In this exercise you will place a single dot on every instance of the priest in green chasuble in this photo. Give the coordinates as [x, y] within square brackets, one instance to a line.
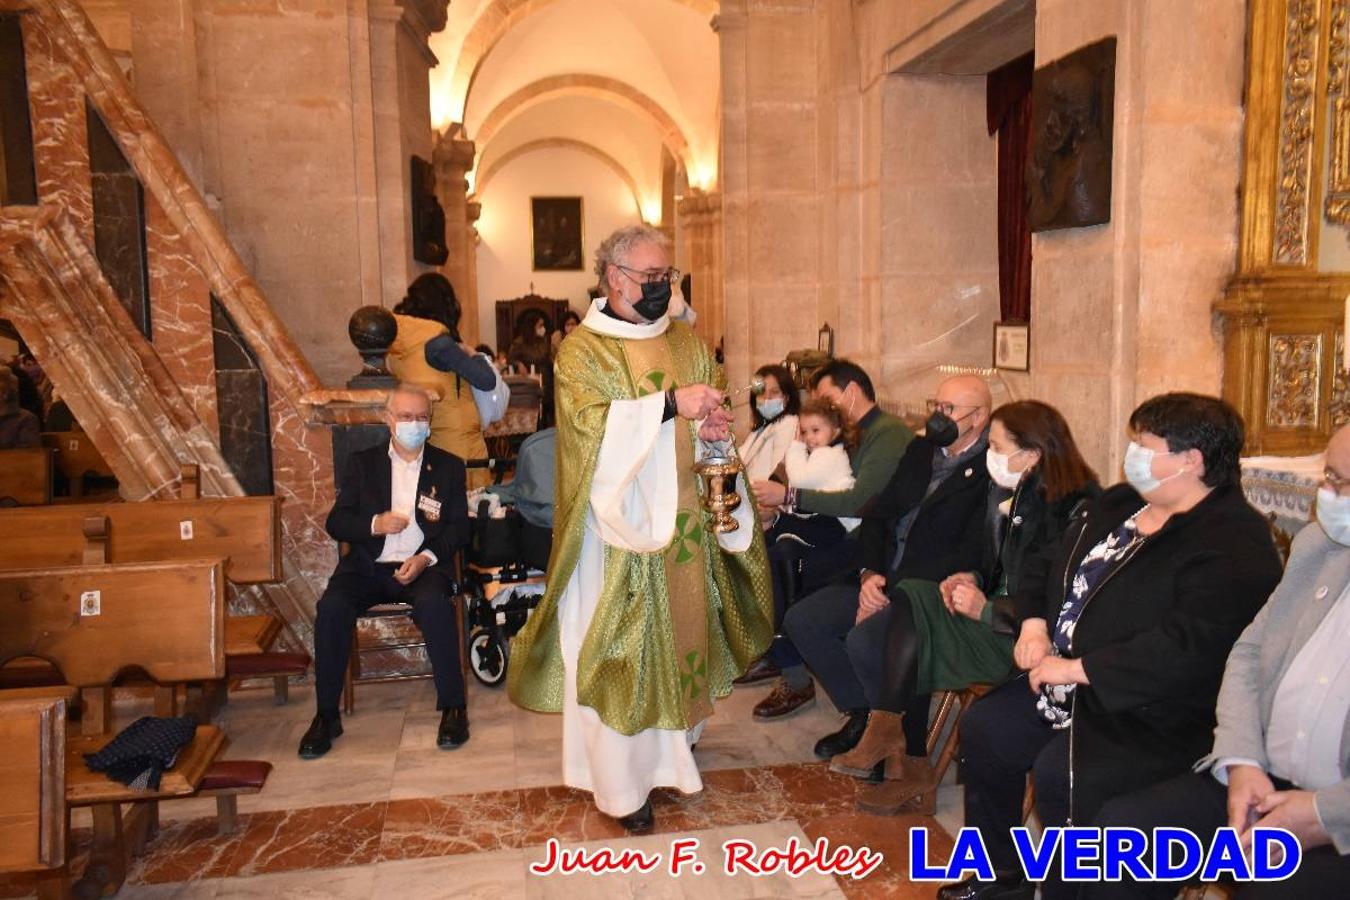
[649, 615]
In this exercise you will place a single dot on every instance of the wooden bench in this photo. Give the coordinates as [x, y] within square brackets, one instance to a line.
[26, 476]
[245, 531]
[92, 622]
[76, 457]
[33, 782]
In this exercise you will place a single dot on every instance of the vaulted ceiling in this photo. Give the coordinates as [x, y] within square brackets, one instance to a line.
[618, 79]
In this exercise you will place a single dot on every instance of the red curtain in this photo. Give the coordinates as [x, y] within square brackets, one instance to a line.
[1008, 110]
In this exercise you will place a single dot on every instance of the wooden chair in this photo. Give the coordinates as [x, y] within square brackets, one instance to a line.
[33, 783]
[961, 700]
[391, 611]
[26, 476]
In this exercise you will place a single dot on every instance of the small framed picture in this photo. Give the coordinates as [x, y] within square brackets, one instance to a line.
[1012, 346]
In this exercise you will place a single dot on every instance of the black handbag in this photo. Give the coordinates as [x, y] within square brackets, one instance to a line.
[142, 751]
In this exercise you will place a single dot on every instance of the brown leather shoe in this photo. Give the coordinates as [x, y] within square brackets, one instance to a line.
[885, 735]
[909, 788]
[783, 701]
[760, 670]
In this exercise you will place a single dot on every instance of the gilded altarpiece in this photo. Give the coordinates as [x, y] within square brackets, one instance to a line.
[1285, 310]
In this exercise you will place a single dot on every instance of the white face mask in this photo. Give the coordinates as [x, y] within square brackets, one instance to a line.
[1139, 468]
[1333, 514]
[412, 435]
[771, 409]
[998, 469]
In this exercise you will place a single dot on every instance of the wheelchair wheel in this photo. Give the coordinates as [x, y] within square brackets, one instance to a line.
[488, 655]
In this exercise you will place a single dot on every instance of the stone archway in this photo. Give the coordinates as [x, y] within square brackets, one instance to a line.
[580, 84]
[481, 183]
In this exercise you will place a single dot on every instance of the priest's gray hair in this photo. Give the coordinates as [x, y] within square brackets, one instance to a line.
[616, 248]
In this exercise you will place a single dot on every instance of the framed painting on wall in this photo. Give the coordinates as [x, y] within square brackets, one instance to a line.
[555, 234]
[1012, 346]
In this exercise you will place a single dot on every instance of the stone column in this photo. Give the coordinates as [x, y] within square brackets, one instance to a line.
[453, 158]
[400, 60]
[700, 226]
[472, 210]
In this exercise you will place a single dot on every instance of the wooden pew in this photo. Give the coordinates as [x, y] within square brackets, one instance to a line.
[76, 457]
[33, 781]
[246, 531]
[94, 621]
[26, 476]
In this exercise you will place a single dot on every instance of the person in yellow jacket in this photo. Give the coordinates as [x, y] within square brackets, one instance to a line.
[428, 353]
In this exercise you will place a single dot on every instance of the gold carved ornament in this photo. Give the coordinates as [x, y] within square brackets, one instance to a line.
[1338, 97]
[1294, 380]
[1297, 118]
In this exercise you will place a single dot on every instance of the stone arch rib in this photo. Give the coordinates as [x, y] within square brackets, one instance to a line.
[553, 143]
[582, 84]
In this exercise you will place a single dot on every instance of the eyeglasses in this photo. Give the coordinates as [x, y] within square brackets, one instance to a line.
[944, 407]
[1336, 482]
[650, 276]
[412, 417]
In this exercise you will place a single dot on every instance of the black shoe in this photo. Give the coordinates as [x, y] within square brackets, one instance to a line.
[454, 730]
[846, 738]
[318, 740]
[639, 822]
[1005, 886]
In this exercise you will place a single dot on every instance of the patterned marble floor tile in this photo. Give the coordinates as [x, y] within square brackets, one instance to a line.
[322, 837]
[888, 835]
[347, 883]
[499, 875]
[443, 826]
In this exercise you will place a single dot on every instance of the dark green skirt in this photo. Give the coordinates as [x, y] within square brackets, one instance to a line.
[954, 650]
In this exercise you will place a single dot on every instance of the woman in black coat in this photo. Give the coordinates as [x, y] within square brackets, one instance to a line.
[1125, 657]
[948, 635]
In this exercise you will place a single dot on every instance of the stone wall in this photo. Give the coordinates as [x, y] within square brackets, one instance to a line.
[860, 188]
[296, 120]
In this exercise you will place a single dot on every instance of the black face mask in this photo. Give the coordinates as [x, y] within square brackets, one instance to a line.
[941, 429]
[655, 300]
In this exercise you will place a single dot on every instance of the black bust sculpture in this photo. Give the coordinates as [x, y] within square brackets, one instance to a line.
[372, 330]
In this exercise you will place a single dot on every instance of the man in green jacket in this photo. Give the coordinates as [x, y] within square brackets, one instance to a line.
[797, 570]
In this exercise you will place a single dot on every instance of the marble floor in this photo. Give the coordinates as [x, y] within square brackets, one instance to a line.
[387, 814]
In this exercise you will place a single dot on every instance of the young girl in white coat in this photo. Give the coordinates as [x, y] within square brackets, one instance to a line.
[817, 461]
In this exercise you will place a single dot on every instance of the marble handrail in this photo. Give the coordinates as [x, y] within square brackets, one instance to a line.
[163, 176]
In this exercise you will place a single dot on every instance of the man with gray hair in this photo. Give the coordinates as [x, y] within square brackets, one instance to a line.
[649, 614]
[402, 511]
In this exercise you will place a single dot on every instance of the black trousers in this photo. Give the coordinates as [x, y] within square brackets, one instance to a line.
[795, 571]
[1199, 803]
[349, 594]
[1003, 738]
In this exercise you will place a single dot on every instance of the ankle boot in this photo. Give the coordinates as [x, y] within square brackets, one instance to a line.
[883, 738]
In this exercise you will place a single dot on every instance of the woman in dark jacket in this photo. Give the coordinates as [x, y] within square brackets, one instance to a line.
[1127, 650]
[947, 636]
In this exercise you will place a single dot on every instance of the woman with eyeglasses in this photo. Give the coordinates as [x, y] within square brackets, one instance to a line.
[1125, 649]
[946, 636]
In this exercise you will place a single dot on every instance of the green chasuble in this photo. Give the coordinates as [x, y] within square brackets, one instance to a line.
[672, 628]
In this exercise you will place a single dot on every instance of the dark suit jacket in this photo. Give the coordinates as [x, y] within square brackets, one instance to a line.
[947, 535]
[365, 491]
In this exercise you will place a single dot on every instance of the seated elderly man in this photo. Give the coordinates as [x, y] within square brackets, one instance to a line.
[927, 523]
[402, 511]
[1282, 743]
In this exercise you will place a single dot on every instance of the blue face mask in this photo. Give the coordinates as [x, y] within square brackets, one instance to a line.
[1333, 514]
[412, 435]
[1139, 468]
[771, 409]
